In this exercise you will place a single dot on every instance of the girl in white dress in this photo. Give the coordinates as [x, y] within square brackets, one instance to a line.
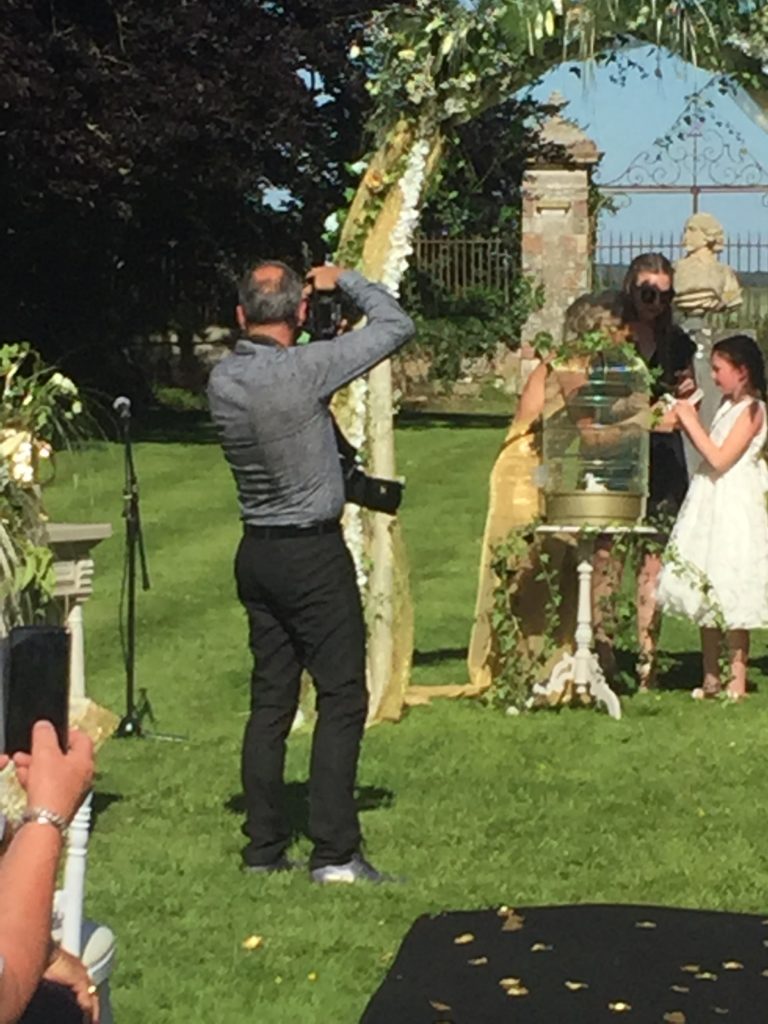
[716, 563]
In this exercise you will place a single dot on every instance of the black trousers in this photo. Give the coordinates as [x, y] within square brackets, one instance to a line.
[304, 612]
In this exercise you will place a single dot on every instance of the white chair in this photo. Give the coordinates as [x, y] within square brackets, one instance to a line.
[93, 943]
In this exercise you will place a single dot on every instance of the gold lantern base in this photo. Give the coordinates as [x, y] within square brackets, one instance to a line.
[586, 508]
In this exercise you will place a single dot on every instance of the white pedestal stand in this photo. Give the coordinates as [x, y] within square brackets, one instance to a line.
[72, 544]
[582, 667]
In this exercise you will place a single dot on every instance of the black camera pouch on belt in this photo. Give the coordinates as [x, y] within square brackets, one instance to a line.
[372, 492]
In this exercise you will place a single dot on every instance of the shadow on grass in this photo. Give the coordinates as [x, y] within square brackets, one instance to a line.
[683, 670]
[100, 803]
[368, 798]
[440, 654]
[170, 426]
[416, 419]
[194, 426]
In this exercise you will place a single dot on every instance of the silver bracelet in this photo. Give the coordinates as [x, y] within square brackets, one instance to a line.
[42, 816]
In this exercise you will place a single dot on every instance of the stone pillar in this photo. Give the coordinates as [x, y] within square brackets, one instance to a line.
[556, 238]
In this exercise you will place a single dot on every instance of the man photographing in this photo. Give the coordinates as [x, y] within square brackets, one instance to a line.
[295, 577]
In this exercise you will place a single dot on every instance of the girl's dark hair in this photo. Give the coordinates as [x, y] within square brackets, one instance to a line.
[742, 351]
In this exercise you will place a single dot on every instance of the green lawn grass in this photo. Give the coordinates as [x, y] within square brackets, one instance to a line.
[471, 807]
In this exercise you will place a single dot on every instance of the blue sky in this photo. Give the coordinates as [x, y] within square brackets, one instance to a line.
[626, 119]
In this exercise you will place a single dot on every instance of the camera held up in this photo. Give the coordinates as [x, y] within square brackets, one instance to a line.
[325, 314]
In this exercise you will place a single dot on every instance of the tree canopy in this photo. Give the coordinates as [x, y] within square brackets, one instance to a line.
[141, 144]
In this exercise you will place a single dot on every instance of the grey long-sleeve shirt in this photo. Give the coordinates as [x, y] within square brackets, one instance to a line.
[270, 406]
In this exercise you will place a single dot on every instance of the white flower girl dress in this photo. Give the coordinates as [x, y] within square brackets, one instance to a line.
[715, 569]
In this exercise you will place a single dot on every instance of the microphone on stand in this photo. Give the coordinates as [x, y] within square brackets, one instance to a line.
[122, 407]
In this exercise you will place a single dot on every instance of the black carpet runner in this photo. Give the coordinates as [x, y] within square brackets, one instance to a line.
[578, 965]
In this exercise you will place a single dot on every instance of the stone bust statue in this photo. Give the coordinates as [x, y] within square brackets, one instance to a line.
[702, 283]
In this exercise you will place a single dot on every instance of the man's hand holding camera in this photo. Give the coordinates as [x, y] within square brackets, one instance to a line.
[324, 279]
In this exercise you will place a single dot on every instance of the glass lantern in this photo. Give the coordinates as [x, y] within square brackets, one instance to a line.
[595, 448]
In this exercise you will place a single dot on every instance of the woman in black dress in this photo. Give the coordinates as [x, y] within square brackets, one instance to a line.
[666, 348]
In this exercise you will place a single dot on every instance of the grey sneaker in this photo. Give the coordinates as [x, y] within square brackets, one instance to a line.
[355, 870]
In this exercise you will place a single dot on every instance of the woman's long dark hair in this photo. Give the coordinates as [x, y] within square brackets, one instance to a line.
[742, 351]
[652, 263]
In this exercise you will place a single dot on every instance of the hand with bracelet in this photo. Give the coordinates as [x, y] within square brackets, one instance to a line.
[55, 783]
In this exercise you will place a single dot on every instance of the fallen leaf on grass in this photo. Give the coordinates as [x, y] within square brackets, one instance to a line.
[252, 942]
[312, 976]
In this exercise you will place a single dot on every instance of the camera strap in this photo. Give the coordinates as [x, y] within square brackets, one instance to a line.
[346, 449]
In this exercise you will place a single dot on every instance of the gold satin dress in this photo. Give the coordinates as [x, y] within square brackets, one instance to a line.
[514, 502]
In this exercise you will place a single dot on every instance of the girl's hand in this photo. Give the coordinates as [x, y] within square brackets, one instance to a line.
[685, 413]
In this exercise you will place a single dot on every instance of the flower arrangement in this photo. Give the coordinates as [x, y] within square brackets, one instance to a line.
[38, 407]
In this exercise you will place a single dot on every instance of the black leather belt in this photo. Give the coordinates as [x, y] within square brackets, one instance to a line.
[267, 532]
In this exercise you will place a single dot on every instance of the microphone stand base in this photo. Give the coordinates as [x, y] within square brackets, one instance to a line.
[130, 725]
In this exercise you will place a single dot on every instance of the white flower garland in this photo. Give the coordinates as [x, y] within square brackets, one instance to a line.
[354, 534]
[401, 247]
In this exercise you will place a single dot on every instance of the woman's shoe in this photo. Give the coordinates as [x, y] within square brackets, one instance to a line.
[708, 691]
[645, 670]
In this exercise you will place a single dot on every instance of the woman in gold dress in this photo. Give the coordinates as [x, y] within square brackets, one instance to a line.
[514, 502]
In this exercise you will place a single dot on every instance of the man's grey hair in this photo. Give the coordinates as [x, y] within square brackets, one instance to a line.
[271, 301]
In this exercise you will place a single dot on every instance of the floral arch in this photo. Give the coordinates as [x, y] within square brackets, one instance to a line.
[437, 64]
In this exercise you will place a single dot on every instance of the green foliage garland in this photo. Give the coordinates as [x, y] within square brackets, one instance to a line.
[516, 668]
